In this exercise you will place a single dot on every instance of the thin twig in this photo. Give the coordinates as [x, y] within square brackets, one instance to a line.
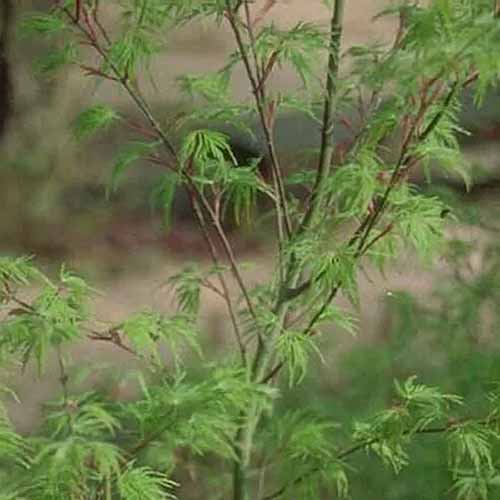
[95, 16]
[379, 236]
[264, 11]
[113, 337]
[213, 288]
[225, 294]
[146, 111]
[147, 440]
[251, 37]
[257, 89]
[63, 376]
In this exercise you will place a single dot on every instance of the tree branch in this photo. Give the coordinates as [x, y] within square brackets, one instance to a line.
[347, 452]
[225, 290]
[146, 111]
[258, 91]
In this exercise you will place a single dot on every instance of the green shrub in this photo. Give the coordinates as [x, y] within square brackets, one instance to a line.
[222, 425]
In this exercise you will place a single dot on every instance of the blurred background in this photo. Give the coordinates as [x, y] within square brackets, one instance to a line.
[55, 186]
[439, 320]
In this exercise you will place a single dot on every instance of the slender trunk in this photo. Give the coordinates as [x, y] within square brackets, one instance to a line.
[327, 142]
[239, 481]
[262, 360]
[240, 486]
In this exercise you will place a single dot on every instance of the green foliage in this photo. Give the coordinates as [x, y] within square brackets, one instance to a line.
[242, 186]
[472, 443]
[13, 447]
[93, 119]
[207, 149]
[75, 457]
[304, 444]
[214, 87]
[134, 48]
[163, 196]
[187, 287]
[334, 267]
[42, 24]
[146, 330]
[53, 318]
[294, 348]
[18, 271]
[355, 185]
[142, 482]
[298, 46]
[451, 344]
[183, 11]
[213, 90]
[425, 230]
[126, 160]
[57, 59]
[224, 420]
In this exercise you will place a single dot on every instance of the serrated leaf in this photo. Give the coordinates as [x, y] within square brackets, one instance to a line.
[56, 59]
[93, 119]
[126, 159]
[42, 24]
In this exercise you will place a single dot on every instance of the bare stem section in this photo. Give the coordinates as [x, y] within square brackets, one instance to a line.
[327, 129]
